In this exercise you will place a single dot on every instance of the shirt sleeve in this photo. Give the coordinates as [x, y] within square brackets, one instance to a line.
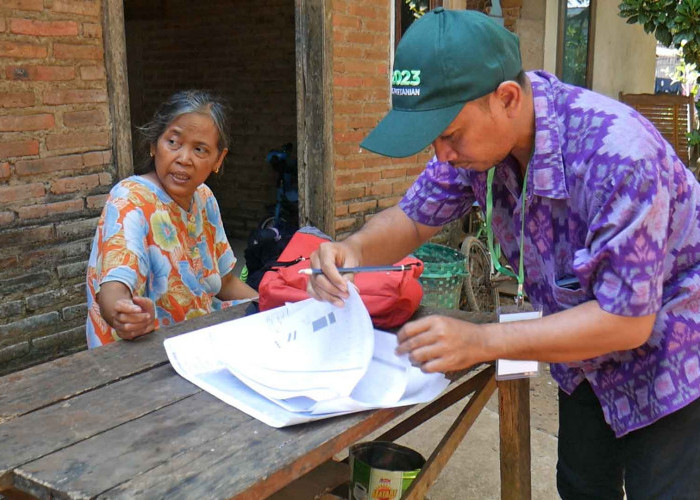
[122, 253]
[626, 242]
[440, 194]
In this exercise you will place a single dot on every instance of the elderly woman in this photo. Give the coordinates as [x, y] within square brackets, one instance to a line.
[160, 253]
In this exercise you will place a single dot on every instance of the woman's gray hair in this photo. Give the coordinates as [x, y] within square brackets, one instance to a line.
[180, 103]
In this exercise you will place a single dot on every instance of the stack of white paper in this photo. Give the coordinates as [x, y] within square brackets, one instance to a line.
[302, 362]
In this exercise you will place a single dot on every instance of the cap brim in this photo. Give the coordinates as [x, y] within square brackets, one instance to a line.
[405, 133]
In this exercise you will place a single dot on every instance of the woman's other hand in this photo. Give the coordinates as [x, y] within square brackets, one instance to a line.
[130, 316]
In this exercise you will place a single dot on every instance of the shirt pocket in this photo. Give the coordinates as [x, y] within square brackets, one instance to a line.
[566, 298]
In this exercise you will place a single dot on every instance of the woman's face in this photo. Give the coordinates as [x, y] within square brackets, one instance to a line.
[185, 154]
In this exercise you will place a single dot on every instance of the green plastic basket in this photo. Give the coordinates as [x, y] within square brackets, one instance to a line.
[443, 275]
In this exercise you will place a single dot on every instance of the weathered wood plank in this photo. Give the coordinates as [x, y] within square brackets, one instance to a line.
[314, 84]
[197, 447]
[514, 424]
[42, 385]
[448, 444]
[89, 414]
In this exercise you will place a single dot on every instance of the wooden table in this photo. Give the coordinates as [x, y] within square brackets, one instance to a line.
[119, 422]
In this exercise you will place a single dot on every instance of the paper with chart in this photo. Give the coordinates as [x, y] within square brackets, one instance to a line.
[302, 362]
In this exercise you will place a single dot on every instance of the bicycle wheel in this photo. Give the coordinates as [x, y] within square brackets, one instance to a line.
[480, 293]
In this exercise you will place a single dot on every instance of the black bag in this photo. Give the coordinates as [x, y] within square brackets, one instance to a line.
[265, 244]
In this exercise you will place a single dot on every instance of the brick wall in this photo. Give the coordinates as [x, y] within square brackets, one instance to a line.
[245, 53]
[55, 171]
[365, 182]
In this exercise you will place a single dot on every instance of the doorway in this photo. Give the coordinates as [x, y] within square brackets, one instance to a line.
[242, 52]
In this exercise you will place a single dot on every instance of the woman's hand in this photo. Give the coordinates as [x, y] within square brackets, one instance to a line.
[442, 344]
[131, 317]
[134, 317]
[331, 286]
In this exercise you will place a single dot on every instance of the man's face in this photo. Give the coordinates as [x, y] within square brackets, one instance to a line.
[478, 138]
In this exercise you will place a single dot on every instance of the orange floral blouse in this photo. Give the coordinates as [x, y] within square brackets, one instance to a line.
[145, 240]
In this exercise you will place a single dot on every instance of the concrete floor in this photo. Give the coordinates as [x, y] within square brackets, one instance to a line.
[473, 471]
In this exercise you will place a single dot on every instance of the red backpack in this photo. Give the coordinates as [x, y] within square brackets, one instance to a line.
[390, 297]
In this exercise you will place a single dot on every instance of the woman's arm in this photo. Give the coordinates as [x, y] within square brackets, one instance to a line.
[130, 316]
[233, 288]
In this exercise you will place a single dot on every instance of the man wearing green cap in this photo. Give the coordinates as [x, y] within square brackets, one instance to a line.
[602, 220]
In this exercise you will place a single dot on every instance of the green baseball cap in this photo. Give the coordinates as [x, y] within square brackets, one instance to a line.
[445, 59]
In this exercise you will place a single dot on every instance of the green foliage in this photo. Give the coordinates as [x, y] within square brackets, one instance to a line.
[673, 22]
[418, 7]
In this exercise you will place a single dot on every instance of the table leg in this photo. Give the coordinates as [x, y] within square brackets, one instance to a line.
[514, 422]
[444, 450]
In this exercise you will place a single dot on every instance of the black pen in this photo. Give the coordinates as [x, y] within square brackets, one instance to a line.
[363, 269]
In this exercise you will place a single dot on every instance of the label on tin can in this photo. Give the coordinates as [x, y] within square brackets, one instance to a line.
[385, 485]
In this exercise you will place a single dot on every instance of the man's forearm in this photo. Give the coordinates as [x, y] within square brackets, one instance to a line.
[583, 332]
[388, 237]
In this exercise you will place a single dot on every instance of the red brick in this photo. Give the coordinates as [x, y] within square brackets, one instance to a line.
[26, 122]
[393, 173]
[43, 28]
[19, 148]
[362, 206]
[22, 50]
[6, 218]
[379, 190]
[41, 73]
[341, 210]
[77, 140]
[72, 184]
[72, 51]
[22, 4]
[388, 202]
[92, 30]
[44, 210]
[96, 202]
[89, 73]
[94, 158]
[5, 170]
[52, 164]
[16, 99]
[81, 7]
[341, 224]
[105, 179]
[2, 25]
[19, 192]
[349, 193]
[74, 96]
[87, 118]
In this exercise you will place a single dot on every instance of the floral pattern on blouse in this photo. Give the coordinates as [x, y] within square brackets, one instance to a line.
[147, 241]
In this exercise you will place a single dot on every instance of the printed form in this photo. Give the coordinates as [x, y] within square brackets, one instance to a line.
[304, 361]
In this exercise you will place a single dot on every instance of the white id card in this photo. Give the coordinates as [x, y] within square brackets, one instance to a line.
[509, 369]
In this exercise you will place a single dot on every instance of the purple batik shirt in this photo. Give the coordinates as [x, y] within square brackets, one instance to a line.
[608, 202]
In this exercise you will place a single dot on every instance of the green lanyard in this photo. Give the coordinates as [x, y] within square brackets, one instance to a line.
[496, 253]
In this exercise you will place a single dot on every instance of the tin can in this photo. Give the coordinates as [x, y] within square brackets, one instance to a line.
[382, 470]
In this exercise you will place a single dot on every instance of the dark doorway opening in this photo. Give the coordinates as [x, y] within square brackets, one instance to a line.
[244, 53]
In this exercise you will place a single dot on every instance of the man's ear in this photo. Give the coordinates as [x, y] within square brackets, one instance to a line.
[510, 96]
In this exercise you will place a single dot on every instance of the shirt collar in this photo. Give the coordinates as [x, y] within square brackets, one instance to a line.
[546, 164]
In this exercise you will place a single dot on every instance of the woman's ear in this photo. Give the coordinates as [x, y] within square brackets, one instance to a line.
[220, 160]
[152, 150]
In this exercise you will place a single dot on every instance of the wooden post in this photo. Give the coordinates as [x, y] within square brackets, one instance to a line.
[514, 424]
[117, 85]
[315, 114]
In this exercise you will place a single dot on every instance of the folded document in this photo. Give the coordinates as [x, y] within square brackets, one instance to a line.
[305, 361]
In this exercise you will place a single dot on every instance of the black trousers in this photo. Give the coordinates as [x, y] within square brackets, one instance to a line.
[660, 461]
